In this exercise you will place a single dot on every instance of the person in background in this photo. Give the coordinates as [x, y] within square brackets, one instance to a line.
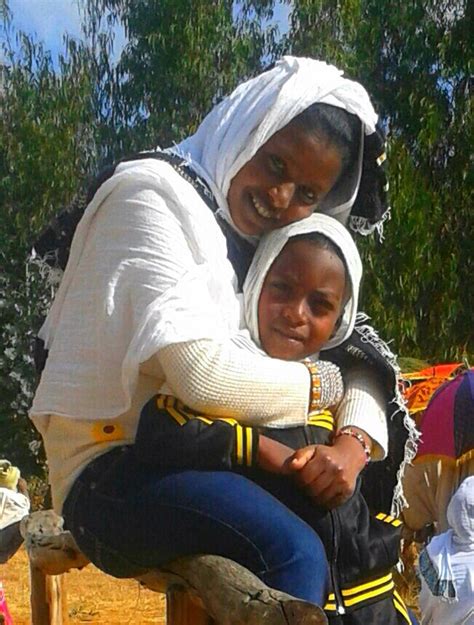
[446, 565]
[14, 505]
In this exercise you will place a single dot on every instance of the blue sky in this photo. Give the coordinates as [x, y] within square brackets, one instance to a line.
[50, 20]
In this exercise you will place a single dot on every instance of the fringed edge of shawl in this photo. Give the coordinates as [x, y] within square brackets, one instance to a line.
[369, 335]
[363, 226]
[48, 268]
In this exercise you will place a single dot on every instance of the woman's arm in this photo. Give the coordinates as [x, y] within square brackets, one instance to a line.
[222, 380]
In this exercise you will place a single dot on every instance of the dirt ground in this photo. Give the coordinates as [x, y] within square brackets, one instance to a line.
[92, 596]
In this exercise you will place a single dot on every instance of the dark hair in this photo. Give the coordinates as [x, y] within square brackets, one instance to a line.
[337, 126]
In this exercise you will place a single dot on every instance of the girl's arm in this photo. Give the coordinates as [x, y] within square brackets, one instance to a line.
[363, 407]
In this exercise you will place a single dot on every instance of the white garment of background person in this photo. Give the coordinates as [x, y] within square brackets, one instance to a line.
[447, 565]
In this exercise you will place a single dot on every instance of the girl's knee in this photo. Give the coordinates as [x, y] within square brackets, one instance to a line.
[300, 546]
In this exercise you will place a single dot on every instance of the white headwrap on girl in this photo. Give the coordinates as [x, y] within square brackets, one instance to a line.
[233, 131]
[270, 247]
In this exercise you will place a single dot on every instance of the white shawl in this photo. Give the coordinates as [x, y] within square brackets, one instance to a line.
[270, 247]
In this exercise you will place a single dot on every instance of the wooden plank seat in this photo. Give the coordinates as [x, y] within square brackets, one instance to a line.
[200, 590]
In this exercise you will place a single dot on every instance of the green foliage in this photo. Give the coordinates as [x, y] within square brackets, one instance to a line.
[182, 56]
[415, 59]
[46, 149]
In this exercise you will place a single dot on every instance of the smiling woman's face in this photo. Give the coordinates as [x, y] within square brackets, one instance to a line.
[284, 181]
[301, 301]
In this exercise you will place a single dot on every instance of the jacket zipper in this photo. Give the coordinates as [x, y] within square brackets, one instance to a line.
[340, 609]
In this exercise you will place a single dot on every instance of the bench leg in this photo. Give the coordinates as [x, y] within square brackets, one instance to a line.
[48, 598]
[181, 610]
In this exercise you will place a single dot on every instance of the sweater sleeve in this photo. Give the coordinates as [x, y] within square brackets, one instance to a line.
[222, 380]
[363, 406]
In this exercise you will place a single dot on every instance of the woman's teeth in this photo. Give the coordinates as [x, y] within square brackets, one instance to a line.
[261, 210]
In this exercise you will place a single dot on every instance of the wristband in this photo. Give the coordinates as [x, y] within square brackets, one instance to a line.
[360, 438]
[315, 397]
[327, 387]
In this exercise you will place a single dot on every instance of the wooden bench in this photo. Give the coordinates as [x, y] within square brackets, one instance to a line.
[200, 590]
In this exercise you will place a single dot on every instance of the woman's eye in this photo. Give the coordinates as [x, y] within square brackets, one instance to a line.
[280, 287]
[308, 195]
[276, 164]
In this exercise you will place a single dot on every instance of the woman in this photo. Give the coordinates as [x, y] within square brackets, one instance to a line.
[149, 296]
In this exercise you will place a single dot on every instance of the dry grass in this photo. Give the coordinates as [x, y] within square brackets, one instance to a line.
[407, 583]
[93, 597]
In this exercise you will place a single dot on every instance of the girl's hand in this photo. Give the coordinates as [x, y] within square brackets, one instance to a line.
[273, 456]
[329, 474]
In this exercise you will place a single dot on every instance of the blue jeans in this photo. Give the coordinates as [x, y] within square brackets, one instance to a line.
[128, 517]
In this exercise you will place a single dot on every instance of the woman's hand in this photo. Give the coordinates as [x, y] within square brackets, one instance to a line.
[329, 474]
[273, 456]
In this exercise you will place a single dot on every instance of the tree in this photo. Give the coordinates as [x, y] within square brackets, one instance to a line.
[182, 56]
[47, 147]
[415, 59]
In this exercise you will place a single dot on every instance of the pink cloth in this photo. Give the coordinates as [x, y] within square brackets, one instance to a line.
[4, 611]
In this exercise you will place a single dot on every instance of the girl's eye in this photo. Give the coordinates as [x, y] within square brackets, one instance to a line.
[276, 164]
[320, 307]
[308, 195]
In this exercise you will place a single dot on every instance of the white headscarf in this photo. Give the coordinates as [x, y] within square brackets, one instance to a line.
[442, 550]
[233, 131]
[13, 507]
[270, 247]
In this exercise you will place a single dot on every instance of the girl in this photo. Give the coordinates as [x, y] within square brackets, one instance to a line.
[300, 297]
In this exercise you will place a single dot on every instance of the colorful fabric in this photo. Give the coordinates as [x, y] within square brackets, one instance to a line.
[421, 385]
[447, 425]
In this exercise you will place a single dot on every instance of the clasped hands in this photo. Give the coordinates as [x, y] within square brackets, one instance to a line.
[328, 474]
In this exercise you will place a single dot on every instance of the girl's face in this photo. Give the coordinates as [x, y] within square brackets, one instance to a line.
[301, 301]
[284, 181]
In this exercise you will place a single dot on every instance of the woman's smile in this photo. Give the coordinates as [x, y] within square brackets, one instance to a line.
[261, 210]
[283, 181]
[290, 333]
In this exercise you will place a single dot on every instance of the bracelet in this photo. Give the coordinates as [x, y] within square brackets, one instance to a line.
[327, 387]
[360, 438]
[315, 397]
